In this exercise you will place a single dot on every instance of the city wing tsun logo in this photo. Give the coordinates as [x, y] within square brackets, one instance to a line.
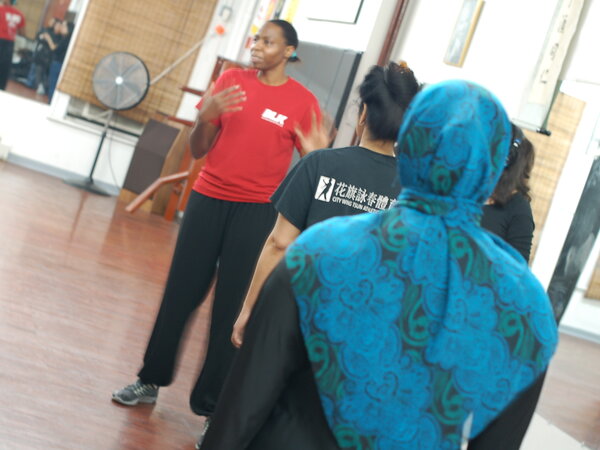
[325, 189]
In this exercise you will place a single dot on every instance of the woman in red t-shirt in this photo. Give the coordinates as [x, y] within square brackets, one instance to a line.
[12, 22]
[247, 126]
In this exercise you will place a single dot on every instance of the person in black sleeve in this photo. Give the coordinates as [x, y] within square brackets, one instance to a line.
[507, 212]
[343, 181]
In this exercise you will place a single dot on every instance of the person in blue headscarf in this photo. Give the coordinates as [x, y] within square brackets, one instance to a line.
[412, 328]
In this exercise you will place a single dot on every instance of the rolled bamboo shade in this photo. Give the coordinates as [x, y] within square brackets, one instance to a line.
[157, 31]
[593, 290]
[550, 156]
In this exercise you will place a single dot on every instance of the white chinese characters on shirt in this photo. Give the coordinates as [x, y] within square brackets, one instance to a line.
[331, 190]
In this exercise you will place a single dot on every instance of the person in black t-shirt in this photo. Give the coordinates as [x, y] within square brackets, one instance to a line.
[343, 181]
[507, 212]
[59, 50]
[42, 56]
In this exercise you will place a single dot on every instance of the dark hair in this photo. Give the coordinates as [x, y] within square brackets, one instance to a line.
[517, 170]
[387, 93]
[290, 35]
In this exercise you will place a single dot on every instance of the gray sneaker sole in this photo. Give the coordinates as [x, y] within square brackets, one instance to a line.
[203, 434]
[147, 400]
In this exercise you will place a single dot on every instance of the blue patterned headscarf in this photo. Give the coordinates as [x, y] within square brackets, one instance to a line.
[421, 327]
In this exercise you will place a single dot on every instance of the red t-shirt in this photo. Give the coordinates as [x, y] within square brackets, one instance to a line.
[254, 147]
[11, 19]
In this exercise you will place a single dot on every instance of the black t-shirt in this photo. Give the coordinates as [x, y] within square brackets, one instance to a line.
[513, 222]
[337, 182]
[61, 49]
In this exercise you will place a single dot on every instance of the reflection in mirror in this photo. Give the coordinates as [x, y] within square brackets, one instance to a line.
[34, 39]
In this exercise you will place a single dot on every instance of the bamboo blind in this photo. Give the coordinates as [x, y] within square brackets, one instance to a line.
[593, 290]
[156, 31]
[550, 155]
[32, 10]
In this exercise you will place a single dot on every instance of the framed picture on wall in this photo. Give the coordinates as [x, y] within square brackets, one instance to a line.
[341, 11]
[463, 32]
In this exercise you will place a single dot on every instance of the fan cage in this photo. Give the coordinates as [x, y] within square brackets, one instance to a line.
[117, 71]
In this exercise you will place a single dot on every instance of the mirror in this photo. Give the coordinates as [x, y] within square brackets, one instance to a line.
[41, 32]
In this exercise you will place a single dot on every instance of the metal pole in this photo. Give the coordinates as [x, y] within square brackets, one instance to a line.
[102, 137]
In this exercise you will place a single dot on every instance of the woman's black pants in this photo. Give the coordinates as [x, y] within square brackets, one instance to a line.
[6, 54]
[215, 236]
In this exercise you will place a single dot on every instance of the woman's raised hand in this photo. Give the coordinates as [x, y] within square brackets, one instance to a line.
[226, 101]
[320, 134]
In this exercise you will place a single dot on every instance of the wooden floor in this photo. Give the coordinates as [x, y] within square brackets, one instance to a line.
[571, 395]
[21, 90]
[80, 281]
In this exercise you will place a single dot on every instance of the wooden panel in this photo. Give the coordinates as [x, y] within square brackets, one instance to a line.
[172, 163]
[550, 156]
[127, 197]
[156, 31]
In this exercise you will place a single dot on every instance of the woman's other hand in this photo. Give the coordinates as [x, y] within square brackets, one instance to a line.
[237, 337]
[319, 136]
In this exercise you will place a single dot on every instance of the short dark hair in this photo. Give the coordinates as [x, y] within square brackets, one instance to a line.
[519, 163]
[290, 35]
[387, 92]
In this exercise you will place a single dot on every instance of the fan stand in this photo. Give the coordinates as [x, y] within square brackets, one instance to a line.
[119, 69]
[87, 183]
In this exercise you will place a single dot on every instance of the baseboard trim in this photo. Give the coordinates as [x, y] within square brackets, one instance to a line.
[578, 333]
[57, 172]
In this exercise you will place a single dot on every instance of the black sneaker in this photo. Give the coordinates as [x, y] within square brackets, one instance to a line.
[135, 393]
[203, 433]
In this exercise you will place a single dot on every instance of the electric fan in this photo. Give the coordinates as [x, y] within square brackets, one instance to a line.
[120, 81]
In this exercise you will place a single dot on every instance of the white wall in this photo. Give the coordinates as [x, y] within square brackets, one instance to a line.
[380, 23]
[227, 45]
[581, 64]
[27, 128]
[503, 51]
